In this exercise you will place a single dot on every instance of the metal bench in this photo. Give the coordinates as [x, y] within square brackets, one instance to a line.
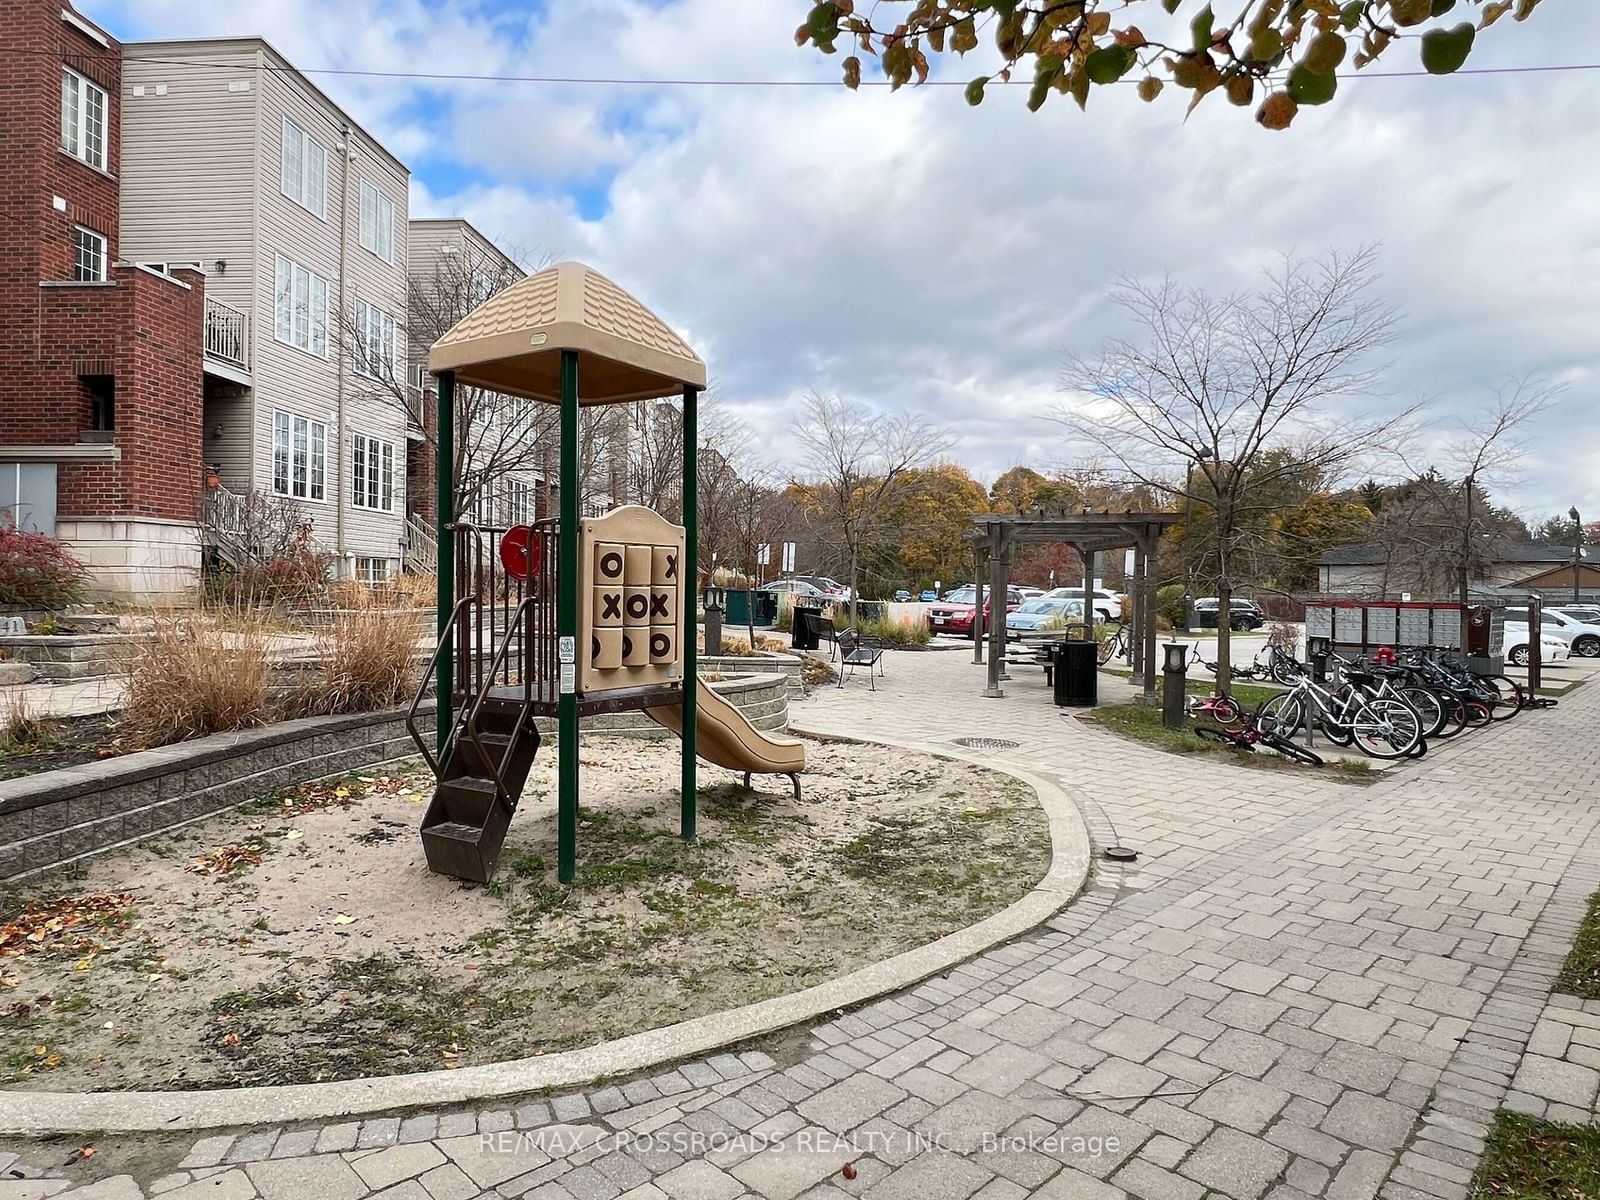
[860, 650]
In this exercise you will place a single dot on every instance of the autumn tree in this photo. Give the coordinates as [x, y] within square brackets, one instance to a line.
[852, 465]
[932, 517]
[1273, 55]
[1198, 403]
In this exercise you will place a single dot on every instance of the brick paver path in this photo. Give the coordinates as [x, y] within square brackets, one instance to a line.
[1303, 989]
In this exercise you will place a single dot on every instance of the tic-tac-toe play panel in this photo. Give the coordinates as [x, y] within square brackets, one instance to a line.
[630, 598]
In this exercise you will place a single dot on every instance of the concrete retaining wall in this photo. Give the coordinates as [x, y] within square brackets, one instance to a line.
[58, 817]
[787, 665]
[65, 657]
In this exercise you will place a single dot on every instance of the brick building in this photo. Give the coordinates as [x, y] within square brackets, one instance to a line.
[100, 360]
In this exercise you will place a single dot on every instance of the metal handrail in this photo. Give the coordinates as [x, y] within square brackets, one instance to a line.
[502, 792]
[435, 765]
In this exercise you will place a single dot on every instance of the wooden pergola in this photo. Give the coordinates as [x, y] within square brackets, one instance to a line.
[1089, 533]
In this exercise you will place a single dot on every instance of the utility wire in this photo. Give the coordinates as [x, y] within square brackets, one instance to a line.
[626, 81]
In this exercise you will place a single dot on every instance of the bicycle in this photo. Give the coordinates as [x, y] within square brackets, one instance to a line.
[1117, 644]
[1380, 728]
[1255, 733]
[1224, 710]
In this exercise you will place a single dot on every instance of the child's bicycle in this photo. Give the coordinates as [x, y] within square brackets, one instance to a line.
[1224, 710]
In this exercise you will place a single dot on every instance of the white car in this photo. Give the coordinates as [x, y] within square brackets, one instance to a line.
[1107, 605]
[1030, 593]
[1581, 637]
[1515, 646]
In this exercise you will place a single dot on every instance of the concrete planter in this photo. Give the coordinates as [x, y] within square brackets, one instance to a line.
[787, 665]
[65, 657]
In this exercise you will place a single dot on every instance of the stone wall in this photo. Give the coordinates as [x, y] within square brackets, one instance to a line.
[57, 817]
[787, 665]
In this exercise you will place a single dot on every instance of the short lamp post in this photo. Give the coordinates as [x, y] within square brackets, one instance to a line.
[1577, 554]
[1174, 684]
[715, 600]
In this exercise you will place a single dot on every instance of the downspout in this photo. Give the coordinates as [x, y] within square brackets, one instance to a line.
[338, 420]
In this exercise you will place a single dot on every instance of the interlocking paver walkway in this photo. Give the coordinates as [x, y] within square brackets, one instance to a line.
[1303, 988]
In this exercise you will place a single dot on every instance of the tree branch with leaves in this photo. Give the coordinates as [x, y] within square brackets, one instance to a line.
[1284, 53]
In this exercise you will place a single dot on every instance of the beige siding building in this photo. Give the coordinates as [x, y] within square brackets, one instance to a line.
[234, 160]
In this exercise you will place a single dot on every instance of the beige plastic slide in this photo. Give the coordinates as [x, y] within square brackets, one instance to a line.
[724, 737]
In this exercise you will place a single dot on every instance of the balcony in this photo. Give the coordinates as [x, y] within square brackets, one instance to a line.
[227, 341]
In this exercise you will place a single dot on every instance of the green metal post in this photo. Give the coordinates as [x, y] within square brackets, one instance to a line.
[445, 469]
[567, 625]
[689, 570]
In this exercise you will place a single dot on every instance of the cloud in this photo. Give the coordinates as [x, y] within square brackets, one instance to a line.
[909, 251]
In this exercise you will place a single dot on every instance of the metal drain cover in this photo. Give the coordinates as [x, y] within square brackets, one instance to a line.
[983, 743]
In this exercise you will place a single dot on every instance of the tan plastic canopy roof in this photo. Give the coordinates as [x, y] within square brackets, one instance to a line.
[512, 342]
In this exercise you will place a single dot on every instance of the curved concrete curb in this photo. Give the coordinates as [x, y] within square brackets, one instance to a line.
[36, 1113]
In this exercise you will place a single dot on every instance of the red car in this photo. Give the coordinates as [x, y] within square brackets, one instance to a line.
[953, 614]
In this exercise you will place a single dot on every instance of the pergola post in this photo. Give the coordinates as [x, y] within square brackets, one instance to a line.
[979, 561]
[998, 564]
[1136, 627]
[567, 627]
[689, 577]
[1148, 587]
[1086, 557]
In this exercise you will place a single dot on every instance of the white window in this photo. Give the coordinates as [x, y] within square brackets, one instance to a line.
[301, 308]
[520, 509]
[377, 342]
[89, 255]
[372, 571]
[372, 473]
[377, 222]
[83, 118]
[299, 457]
[304, 173]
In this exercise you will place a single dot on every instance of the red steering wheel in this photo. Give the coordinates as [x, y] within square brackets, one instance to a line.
[519, 552]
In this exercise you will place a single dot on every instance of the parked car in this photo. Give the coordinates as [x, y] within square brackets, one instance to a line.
[1589, 614]
[901, 596]
[1243, 615]
[928, 596]
[831, 587]
[1107, 604]
[1031, 593]
[798, 588]
[954, 613]
[1582, 637]
[1514, 645]
[1044, 612]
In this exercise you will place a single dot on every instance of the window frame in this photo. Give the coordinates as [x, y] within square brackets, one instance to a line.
[372, 473]
[78, 234]
[77, 144]
[310, 154]
[312, 446]
[377, 222]
[315, 304]
[369, 318]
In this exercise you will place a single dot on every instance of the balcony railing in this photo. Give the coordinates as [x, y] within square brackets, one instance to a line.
[227, 334]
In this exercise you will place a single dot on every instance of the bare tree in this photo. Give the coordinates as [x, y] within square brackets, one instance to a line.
[1443, 529]
[852, 465]
[1214, 383]
[498, 438]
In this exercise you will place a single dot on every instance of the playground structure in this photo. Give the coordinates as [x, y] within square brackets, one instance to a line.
[516, 605]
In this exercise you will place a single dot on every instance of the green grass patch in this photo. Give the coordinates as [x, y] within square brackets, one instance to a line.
[1580, 974]
[1143, 724]
[1249, 695]
[1530, 1159]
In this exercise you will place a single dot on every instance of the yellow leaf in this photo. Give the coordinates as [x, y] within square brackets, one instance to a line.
[344, 919]
[341, 792]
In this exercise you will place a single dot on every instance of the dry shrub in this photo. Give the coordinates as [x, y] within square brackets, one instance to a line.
[23, 731]
[194, 677]
[369, 662]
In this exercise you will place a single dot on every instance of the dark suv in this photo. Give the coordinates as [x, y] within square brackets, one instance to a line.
[1243, 615]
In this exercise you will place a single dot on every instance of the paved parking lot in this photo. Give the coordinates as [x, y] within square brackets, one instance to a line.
[1302, 989]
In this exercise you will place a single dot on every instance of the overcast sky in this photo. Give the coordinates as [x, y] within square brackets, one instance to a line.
[908, 251]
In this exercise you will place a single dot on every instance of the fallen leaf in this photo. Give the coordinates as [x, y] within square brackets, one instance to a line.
[294, 835]
[344, 919]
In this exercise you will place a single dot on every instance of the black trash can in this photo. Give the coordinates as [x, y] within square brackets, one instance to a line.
[1076, 666]
[806, 633]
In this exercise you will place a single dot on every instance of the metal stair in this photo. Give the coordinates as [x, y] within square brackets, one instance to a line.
[480, 781]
